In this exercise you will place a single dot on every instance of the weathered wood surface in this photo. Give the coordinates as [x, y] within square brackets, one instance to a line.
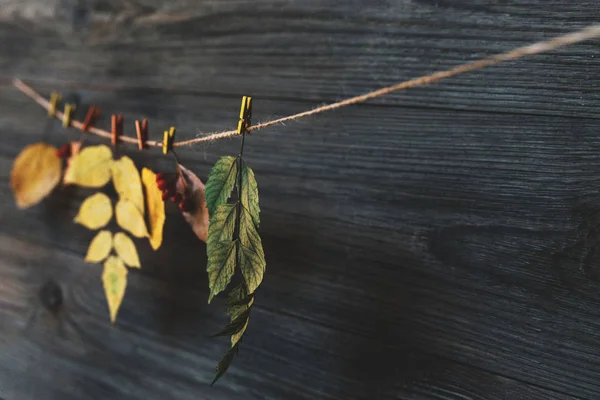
[422, 246]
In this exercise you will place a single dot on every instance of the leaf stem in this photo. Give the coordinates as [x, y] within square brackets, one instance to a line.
[242, 147]
[238, 205]
[179, 171]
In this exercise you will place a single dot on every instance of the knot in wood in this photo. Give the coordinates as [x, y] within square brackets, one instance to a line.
[51, 296]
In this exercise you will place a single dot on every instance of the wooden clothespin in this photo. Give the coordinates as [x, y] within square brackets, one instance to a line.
[68, 114]
[141, 129]
[90, 117]
[116, 123]
[245, 115]
[55, 98]
[169, 138]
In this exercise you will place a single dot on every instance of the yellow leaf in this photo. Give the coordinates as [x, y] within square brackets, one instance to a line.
[36, 171]
[90, 168]
[156, 208]
[114, 279]
[99, 247]
[130, 218]
[126, 179]
[95, 211]
[125, 249]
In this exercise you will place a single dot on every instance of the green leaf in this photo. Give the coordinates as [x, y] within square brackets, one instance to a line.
[237, 304]
[221, 182]
[238, 297]
[237, 324]
[233, 244]
[249, 195]
[238, 308]
[250, 252]
[225, 362]
[221, 249]
[236, 337]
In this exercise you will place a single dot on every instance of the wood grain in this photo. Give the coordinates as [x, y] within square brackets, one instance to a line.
[434, 244]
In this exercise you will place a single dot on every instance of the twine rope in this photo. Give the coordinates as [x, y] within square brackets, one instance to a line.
[591, 32]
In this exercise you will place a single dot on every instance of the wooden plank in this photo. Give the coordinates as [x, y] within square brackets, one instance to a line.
[411, 244]
[317, 51]
[76, 353]
[432, 234]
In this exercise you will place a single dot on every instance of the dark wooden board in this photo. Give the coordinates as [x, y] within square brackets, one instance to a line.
[433, 244]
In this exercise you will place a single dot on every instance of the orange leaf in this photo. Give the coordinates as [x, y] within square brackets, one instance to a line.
[36, 171]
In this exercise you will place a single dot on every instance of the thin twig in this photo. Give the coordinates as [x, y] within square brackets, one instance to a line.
[588, 33]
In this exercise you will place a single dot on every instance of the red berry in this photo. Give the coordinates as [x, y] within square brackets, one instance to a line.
[162, 184]
[160, 176]
[176, 198]
[185, 204]
[165, 195]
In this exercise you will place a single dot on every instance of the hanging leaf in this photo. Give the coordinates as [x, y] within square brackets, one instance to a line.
[238, 297]
[233, 244]
[35, 172]
[125, 249]
[236, 325]
[239, 304]
[221, 181]
[251, 254]
[100, 247]
[156, 208]
[225, 363]
[221, 249]
[225, 251]
[238, 308]
[250, 194]
[91, 167]
[114, 279]
[198, 217]
[130, 218]
[95, 211]
[126, 179]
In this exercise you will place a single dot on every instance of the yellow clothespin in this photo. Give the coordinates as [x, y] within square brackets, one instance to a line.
[54, 100]
[245, 115]
[68, 114]
[168, 140]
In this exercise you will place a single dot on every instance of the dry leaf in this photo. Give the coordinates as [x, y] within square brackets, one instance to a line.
[198, 218]
[91, 167]
[125, 249]
[156, 208]
[36, 171]
[100, 247]
[126, 179]
[130, 218]
[95, 211]
[114, 279]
